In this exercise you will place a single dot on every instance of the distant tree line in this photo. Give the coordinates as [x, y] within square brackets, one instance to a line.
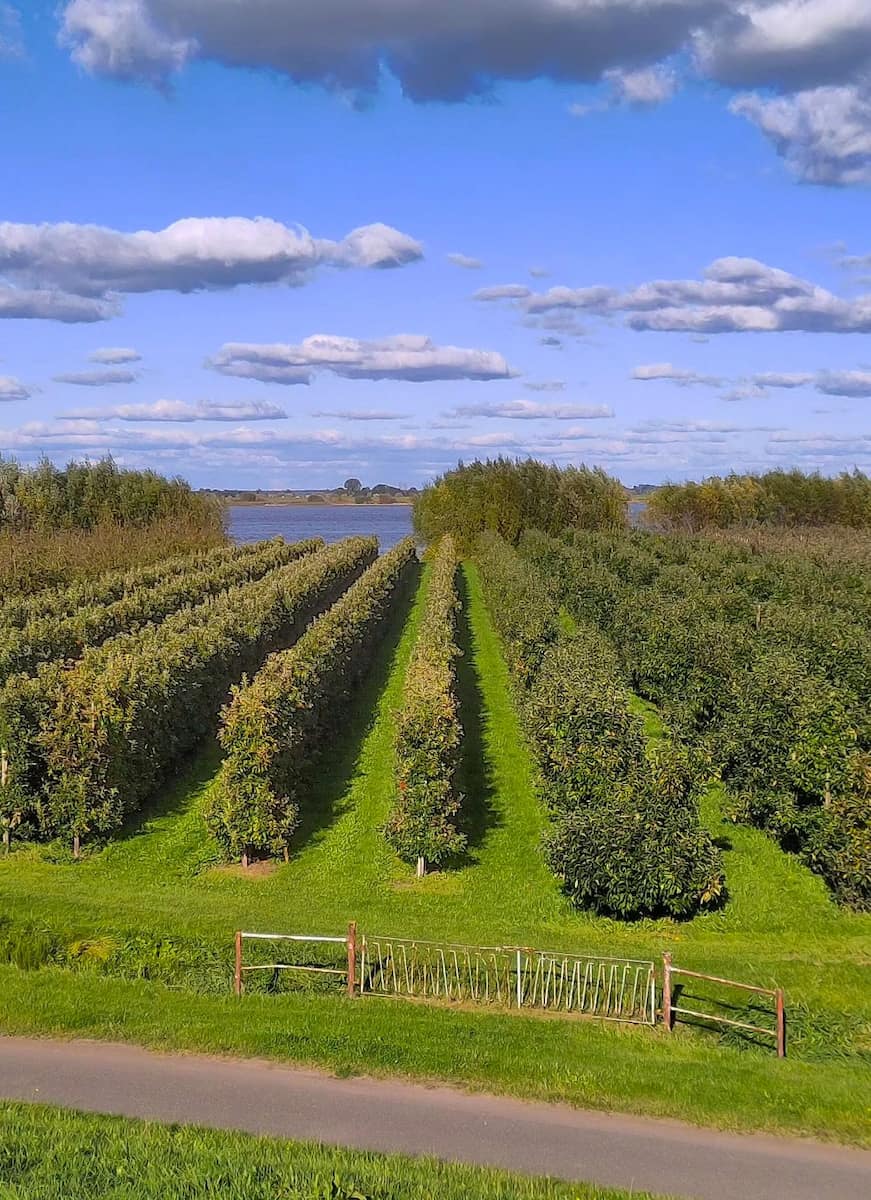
[86, 495]
[508, 496]
[776, 498]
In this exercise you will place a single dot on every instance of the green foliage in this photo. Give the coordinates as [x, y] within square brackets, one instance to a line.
[66, 637]
[625, 835]
[423, 823]
[85, 495]
[508, 496]
[53, 1154]
[17, 611]
[762, 657]
[129, 711]
[778, 498]
[292, 707]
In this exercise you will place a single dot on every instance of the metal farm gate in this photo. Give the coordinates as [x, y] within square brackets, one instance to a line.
[615, 989]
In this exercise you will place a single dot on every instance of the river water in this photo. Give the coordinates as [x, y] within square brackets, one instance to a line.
[333, 522]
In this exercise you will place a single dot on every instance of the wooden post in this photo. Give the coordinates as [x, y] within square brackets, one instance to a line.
[245, 860]
[76, 846]
[237, 974]
[352, 959]
[667, 1015]
[781, 1024]
[421, 866]
[4, 779]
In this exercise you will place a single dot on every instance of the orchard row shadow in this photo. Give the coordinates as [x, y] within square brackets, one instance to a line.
[475, 776]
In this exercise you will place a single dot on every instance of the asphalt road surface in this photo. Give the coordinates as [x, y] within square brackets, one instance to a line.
[541, 1139]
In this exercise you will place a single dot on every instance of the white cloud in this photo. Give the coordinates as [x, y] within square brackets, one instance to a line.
[361, 414]
[546, 385]
[679, 375]
[446, 50]
[13, 389]
[532, 410]
[823, 134]
[783, 379]
[97, 378]
[644, 88]
[844, 383]
[735, 295]
[180, 410]
[193, 254]
[47, 304]
[115, 356]
[413, 358]
[463, 260]
[503, 291]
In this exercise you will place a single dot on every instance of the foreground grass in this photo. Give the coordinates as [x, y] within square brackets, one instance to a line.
[778, 927]
[50, 1154]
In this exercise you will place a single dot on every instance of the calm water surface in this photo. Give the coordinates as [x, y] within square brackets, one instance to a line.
[389, 522]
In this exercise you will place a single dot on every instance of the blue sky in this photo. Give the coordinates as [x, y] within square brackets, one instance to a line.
[660, 207]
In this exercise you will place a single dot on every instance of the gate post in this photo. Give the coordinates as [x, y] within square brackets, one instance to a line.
[352, 959]
[667, 1015]
[781, 1024]
[237, 974]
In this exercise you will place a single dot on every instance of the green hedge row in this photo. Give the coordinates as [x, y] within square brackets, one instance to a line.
[17, 611]
[624, 834]
[292, 708]
[86, 745]
[748, 664]
[423, 824]
[66, 637]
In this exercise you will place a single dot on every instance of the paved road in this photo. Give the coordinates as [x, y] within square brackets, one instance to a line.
[260, 1097]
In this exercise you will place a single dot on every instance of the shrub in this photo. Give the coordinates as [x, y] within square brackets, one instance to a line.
[423, 825]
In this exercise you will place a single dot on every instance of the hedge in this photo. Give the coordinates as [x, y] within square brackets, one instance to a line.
[423, 824]
[17, 611]
[277, 722]
[115, 725]
[66, 637]
[624, 836]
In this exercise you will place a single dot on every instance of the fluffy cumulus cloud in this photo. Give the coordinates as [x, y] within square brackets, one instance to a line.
[182, 411]
[824, 134]
[193, 254]
[445, 51]
[13, 389]
[531, 410]
[409, 357]
[814, 55]
[106, 378]
[112, 356]
[735, 295]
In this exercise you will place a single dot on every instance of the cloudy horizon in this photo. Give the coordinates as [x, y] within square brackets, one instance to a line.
[634, 237]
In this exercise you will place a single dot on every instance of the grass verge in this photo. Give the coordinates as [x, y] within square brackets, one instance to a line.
[51, 1154]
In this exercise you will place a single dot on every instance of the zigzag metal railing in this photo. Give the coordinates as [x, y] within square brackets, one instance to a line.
[616, 989]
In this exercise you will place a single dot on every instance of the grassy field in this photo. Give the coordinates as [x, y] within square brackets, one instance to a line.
[160, 881]
[50, 1154]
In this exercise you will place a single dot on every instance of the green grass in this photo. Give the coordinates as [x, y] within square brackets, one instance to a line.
[50, 1154]
[779, 926]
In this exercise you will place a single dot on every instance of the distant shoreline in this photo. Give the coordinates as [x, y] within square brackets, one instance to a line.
[319, 504]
